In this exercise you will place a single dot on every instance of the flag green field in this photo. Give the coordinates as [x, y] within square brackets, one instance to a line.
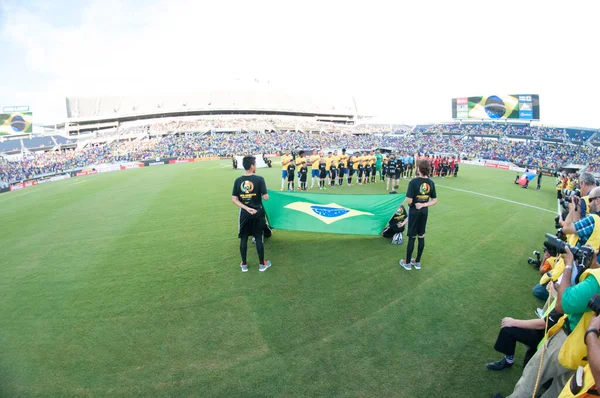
[331, 213]
[128, 284]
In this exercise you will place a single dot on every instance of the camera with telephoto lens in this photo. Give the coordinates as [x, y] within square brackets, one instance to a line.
[537, 261]
[557, 219]
[594, 304]
[583, 255]
[570, 196]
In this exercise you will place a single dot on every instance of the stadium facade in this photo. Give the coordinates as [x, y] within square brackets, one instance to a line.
[87, 114]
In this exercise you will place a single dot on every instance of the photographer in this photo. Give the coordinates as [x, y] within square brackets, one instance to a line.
[579, 208]
[528, 332]
[585, 228]
[572, 300]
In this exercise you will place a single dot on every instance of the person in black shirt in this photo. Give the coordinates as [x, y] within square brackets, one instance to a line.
[303, 176]
[361, 170]
[234, 160]
[391, 172]
[350, 170]
[248, 193]
[420, 195]
[396, 226]
[539, 179]
[332, 170]
[322, 172]
[341, 170]
[291, 175]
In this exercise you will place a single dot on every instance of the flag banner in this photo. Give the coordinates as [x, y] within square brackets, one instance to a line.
[525, 178]
[331, 213]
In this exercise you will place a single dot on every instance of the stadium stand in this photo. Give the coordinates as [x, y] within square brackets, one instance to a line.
[227, 136]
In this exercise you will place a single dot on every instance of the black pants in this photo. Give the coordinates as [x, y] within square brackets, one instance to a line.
[391, 230]
[509, 337]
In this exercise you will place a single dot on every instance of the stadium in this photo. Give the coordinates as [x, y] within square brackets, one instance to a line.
[131, 286]
[309, 199]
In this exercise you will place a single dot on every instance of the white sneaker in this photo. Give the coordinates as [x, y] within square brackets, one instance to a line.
[244, 267]
[415, 264]
[404, 265]
[540, 313]
[263, 267]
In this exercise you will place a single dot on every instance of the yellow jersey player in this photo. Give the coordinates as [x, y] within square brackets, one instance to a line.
[314, 160]
[286, 160]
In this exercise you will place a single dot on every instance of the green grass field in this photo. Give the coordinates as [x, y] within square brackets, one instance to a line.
[128, 284]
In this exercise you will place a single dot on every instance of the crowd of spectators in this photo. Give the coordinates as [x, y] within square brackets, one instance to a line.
[188, 145]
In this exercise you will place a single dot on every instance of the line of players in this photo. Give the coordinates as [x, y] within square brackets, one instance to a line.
[331, 170]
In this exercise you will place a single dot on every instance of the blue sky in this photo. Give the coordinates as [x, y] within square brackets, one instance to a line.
[402, 60]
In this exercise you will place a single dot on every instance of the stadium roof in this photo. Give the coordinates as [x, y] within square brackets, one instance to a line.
[118, 107]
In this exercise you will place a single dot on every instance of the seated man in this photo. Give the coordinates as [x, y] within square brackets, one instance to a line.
[572, 300]
[396, 226]
[529, 332]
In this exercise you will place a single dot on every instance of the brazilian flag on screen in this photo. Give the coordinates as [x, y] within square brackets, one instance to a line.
[331, 213]
[15, 123]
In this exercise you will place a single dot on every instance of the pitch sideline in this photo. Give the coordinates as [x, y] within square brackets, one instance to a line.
[496, 197]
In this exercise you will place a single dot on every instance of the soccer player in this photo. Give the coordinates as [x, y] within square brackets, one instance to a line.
[373, 168]
[379, 164]
[366, 168]
[344, 162]
[248, 193]
[420, 195]
[314, 160]
[299, 160]
[391, 172]
[399, 171]
[384, 168]
[322, 172]
[303, 175]
[286, 159]
[410, 165]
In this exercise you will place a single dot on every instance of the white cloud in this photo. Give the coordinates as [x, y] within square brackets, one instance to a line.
[403, 59]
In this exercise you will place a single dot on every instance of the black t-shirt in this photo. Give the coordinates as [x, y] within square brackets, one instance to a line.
[399, 216]
[323, 166]
[291, 168]
[332, 165]
[392, 166]
[420, 190]
[350, 164]
[303, 170]
[249, 190]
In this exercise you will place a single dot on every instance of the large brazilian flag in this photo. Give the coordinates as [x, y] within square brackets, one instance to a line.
[331, 213]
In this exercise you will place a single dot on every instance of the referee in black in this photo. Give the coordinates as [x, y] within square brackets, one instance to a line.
[249, 191]
[420, 195]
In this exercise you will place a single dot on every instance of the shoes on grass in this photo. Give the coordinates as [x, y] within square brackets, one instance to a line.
[404, 265]
[244, 267]
[415, 264]
[263, 267]
[499, 365]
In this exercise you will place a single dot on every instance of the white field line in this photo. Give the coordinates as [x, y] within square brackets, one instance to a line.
[16, 196]
[80, 182]
[497, 198]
